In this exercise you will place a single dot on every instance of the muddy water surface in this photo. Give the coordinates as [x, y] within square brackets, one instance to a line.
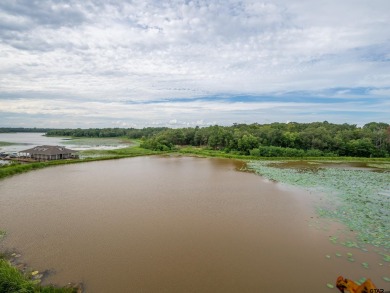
[177, 224]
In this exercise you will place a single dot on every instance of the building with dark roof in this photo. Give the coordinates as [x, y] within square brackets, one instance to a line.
[48, 152]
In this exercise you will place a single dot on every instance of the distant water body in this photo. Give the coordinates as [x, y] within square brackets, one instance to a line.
[21, 141]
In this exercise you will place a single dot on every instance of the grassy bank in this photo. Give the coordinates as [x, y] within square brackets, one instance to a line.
[204, 152]
[17, 168]
[12, 281]
[5, 143]
[134, 151]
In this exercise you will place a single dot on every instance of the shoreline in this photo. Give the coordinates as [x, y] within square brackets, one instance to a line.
[185, 155]
[257, 216]
[16, 276]
[135, 151]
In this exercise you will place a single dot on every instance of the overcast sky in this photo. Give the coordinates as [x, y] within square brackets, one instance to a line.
[183, 63]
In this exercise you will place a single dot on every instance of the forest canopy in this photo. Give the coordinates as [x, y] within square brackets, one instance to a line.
[266, 140]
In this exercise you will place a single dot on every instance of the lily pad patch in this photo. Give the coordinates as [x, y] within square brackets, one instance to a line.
[330, 286]
[357, 198]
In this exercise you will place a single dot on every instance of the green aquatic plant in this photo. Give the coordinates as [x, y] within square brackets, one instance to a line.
[95, 141]
[358, 198]
[386, 257]
[380, 166]
[330, 286]
[13, 281]
[2, 235]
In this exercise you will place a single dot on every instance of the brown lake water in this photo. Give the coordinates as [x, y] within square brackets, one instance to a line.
[168, 224]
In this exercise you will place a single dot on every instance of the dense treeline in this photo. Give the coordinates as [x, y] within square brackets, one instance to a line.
[22, 129]
[282, 139]
[268, 140]
[107, 132]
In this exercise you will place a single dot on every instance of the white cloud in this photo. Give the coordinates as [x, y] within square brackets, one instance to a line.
[102, 54]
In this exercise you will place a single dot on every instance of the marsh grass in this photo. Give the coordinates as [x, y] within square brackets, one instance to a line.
[205, 152]
[92, 141]
[379, 166]
[14, 281]
[131, 151]
[5, 143]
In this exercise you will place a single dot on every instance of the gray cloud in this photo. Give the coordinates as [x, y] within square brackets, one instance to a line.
[111, 51]
[44, 12]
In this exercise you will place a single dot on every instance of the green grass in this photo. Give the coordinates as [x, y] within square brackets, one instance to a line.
[5, 143]
[104, 141]
[131, 151]
[12, 169]
[14, 281]
[91, 155]
[380, 166]
[204, 152]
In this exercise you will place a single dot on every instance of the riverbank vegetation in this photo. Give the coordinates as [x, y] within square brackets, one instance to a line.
[320, 139]
[5, 143]
[317, 139]
[135, 149]
[86, 156]
[12, 281]
[108, 142]
[207, 152]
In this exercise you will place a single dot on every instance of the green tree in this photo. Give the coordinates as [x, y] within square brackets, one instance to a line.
[247, 143]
